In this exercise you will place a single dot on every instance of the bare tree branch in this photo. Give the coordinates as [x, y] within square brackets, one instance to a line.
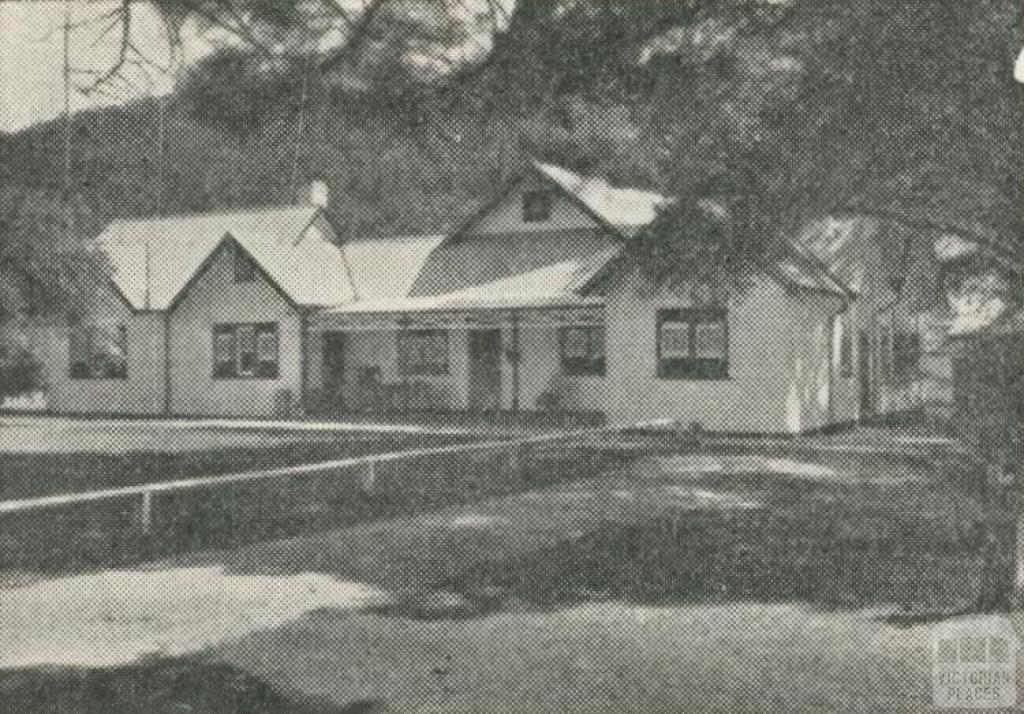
[125, 11]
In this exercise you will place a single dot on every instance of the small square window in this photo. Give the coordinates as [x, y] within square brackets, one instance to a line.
[245, 350]
[98, 352]
[536, 206]
[693, 343]
[423, 352]
[245, 269]
[582, 350]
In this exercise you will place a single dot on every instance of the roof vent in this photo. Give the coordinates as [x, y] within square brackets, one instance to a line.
[316, 194]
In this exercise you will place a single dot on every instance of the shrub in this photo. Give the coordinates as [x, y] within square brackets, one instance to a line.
[19, 371]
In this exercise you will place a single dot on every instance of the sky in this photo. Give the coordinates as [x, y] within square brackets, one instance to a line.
[31, 51]
[31, 57]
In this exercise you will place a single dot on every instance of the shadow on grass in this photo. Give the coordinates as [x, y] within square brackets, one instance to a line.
[906, 550]
[158, 687]
[108, 534]
[28, 475]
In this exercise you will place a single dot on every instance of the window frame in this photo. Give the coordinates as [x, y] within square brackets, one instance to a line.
[89, 367]
[593, 365]
[421, 368]
[691, 366]
[229, 367]
[532, 200]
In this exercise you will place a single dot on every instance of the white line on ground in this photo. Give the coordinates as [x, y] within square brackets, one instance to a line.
[303, 469]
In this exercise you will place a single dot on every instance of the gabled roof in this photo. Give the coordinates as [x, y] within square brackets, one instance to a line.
[623, 212]
[154, 259]
[386, 268]
[627, 209]
[311, 272]
[798, 267]
[803, 269]
[840, 244]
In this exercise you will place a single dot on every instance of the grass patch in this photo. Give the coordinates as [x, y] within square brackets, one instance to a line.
[163, 687]
[918, 548]
[107, 533]
[39, 474]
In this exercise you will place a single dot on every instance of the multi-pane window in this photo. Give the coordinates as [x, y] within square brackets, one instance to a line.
[245, 350]
[842, 341]
[244, 267]
[98, 352]
[582, 350]
[693, 343]
[423, 352]
[536, 206]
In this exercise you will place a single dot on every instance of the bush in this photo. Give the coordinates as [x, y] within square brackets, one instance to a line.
[19, 372]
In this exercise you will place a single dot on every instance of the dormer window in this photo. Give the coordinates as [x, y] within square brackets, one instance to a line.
[245, 269]
[536, 206]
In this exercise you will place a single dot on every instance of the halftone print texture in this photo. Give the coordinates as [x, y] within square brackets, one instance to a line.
[510, 355]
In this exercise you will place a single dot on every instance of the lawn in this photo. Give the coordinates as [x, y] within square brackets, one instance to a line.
[43, 457]
[695, 582]
[107, 532]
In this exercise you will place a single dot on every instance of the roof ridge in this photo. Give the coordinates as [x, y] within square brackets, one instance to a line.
[406, 236]
[585, 178]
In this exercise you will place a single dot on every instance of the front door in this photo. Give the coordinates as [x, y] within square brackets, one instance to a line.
[333, 363]
[484, 370]
[867, 397]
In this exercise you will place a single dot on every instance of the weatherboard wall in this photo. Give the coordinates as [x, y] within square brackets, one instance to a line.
[775, 378]
[506, 216]
[140, 393]
[215, 298]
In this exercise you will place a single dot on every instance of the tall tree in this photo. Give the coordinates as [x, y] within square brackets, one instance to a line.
[44, 271]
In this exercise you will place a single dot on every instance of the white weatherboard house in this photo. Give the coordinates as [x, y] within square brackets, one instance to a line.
[530, 305]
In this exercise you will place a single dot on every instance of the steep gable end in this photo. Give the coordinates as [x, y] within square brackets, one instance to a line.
[153, 261]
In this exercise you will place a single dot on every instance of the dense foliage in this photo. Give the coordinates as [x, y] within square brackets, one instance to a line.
[774, 110]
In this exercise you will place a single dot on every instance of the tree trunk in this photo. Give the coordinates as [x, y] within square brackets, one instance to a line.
[1018, 532]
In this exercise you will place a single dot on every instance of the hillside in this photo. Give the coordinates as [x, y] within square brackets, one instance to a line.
[879, 105]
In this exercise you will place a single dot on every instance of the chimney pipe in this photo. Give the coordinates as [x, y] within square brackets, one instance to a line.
[317, 194]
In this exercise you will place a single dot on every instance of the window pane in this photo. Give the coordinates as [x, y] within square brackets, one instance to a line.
[223, 351]
[597, 343]
[423, 352]
[266, 346]
[675, 339]
[246, 347]
[78, 352]
[576, 343]
[437, 349]
[109, 351]
[709, 340]
[536, 206]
